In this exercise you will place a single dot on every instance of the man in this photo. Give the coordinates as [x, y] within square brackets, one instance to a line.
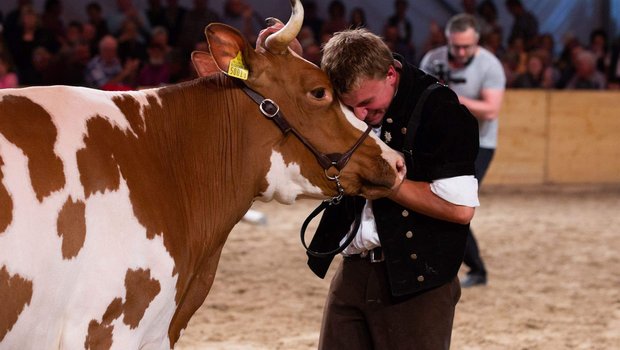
[105, 70]
[397, 287]
[477, 77]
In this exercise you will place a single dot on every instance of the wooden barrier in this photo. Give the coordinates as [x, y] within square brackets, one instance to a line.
[558, 137]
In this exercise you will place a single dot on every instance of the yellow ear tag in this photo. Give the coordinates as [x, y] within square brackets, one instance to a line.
[237, 69]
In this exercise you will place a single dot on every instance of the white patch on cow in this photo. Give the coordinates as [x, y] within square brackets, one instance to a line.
[285, 182]
[68, 294]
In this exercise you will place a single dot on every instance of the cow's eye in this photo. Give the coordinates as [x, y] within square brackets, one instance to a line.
[318, 93]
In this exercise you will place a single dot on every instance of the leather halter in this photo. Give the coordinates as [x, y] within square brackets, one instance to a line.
[337, 160]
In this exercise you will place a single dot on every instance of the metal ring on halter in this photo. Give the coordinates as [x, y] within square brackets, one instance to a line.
[262, 109]
[337, 198]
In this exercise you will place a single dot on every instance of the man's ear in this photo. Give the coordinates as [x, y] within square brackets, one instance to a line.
[204, 63]
[231, 52]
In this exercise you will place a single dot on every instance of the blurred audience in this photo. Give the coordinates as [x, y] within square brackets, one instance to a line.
[153, 43]
[358, 18]
[401, 22]
[336, 20]
[8, 79]
[193, 26]
[525, 25]
[105, 71]
[586, 76]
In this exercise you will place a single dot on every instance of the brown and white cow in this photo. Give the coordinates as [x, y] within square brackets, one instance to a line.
[114, 206]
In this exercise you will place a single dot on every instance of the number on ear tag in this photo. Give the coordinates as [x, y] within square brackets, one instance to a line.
[237, 68]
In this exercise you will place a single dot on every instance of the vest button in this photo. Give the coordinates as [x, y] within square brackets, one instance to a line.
[403, 131]
[420, 278]
[409, 234]
[405, 213]
[414, 256]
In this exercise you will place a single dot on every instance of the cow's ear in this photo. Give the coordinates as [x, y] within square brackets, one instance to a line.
[204, 63]
[231, 52]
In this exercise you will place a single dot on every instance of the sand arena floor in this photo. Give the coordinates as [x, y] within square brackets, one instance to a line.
[554, 278]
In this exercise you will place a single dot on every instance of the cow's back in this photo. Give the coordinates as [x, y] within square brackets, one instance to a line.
[76, 266]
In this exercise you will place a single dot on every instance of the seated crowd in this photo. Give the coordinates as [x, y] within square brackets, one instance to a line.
[134, 48]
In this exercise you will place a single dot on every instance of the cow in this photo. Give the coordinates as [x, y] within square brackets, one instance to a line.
[115, 206]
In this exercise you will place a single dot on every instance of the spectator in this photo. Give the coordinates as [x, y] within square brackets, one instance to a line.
[42, 69]
[96, 19]
[8, 79]
[12, 21]
[105, 71]
[598, 46]
[469, 7]
[493, 43]
[23, 42]
[156, 71]
[193, 27]
[175, 15]
[67, 67]
[613, 71]
[51, 20]
[487, 18]
[400, 21]
[478, 79]
[586, 76]
[156, 14]
[436, 38]
[310, 49]
[241, 15]
[358, 18]
[391, 38]
[127, 11]
[566, 63]
[336, 20]
[312, 20]
[538, 74]
[525, 25]
[130, 44]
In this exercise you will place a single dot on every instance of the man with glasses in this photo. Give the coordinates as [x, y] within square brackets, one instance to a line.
[478, 78]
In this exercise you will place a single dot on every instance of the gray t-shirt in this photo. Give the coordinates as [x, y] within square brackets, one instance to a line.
[484, 72]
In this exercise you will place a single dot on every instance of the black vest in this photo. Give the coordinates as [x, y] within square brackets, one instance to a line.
[421, 252]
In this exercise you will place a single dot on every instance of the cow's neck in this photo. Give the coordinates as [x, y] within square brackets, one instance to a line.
[210, 169]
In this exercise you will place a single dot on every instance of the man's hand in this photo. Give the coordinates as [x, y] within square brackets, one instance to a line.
[274, 26]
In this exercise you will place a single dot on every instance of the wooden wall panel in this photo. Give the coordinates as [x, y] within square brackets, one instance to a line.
[584, 137]
[522, 139]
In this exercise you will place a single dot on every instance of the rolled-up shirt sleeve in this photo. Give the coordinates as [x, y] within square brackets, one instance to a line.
[459, 190]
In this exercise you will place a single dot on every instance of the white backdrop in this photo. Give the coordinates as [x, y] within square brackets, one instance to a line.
[559, 17]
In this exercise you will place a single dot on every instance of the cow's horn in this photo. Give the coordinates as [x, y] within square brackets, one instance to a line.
[278, 42]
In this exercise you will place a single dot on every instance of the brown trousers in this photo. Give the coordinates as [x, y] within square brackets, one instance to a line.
[360, 313]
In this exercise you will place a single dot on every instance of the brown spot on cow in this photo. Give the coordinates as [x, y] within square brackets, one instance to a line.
[28, 126]
[141, 290]
[100, 333]
[15, 293]
[71, 226]
[6, 204]
[98, 168]
[131, 109]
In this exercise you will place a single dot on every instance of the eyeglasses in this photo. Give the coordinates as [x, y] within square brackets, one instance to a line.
[462, 47]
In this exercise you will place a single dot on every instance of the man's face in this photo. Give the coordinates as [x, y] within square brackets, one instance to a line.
[372, 98]
[463, 45]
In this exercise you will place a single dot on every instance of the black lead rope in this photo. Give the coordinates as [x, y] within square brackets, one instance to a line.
[349, 237]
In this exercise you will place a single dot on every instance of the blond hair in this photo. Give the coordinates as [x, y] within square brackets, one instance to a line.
[354, 55]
